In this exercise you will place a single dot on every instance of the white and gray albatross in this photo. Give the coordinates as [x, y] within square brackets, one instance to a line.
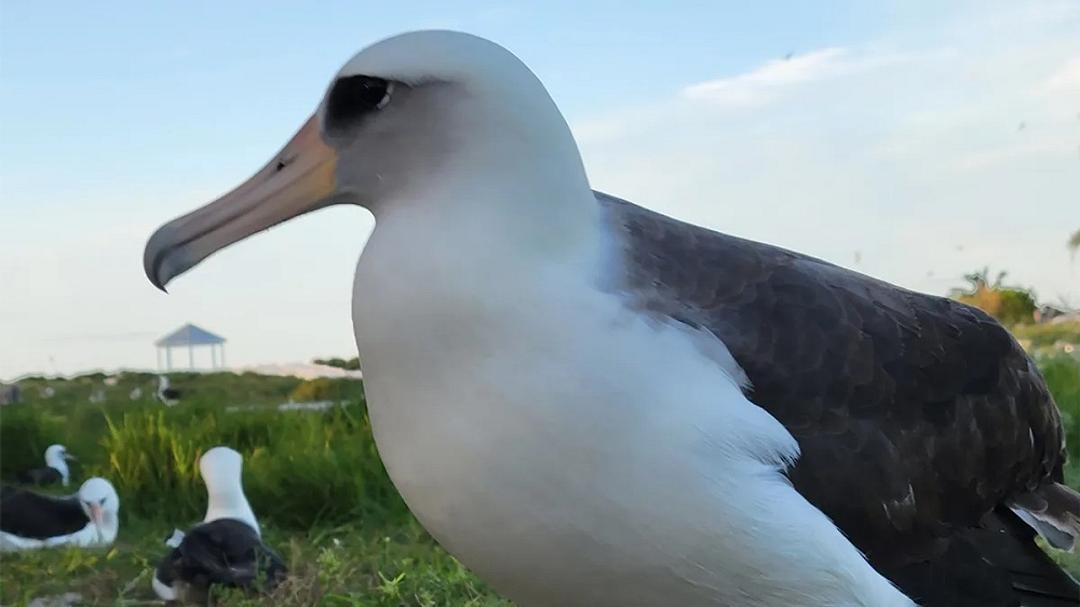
[30, 520]
[589, 403]
[169, 396]
[54, 471]
[226, 549]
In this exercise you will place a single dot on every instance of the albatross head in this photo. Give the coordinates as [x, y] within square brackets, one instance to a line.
[221, 469]
[99, 501]
[406, 116]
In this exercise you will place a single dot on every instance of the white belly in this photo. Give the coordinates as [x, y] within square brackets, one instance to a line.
[571, 453]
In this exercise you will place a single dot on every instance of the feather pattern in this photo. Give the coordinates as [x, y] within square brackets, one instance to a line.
[916, 416]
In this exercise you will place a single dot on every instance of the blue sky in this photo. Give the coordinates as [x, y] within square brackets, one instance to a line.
[890, 141]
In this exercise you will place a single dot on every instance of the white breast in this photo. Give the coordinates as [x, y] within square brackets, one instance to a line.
[573, 452]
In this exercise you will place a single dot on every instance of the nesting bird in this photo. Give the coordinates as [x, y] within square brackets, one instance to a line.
[54, 471]
[167, 395]
[30, 520]
[226, 548]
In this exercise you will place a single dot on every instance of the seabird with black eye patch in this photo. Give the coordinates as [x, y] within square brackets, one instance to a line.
[353, 96]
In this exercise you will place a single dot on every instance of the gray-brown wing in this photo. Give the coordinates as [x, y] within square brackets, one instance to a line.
[916, 415]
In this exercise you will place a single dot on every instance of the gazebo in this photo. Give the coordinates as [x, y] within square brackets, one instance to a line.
[189, 336]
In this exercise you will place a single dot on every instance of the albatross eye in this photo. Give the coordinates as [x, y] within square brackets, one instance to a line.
[353, 97]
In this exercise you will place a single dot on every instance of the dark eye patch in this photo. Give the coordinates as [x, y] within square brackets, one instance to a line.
[351, 98]
[102, 501]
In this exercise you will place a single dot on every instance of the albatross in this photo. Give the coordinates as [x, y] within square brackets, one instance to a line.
[168, 395]
[55, 469]
[89, 518]
[226, 549]
[590, 403]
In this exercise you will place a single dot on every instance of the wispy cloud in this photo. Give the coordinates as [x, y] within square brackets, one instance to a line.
[1066, 79]
[767, 82]
[901, 149]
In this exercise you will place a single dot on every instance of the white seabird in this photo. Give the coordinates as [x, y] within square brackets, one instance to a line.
[589, 403]
[89, 518]
[55, 468]
[167, 395]
[226, 548]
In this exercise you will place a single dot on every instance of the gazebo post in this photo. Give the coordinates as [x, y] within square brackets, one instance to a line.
[157, 349]
[191, 356]
[168, 358]
[213, 357]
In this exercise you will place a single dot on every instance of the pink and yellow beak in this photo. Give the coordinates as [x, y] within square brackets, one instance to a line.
[299, 179]
[97, 514]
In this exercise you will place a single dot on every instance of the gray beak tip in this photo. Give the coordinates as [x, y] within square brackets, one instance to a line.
[161, 258]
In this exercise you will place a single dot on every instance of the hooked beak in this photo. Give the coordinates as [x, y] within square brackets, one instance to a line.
[301, 178]
[71, 458]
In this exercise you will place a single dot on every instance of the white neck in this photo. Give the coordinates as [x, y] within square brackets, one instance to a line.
[230, 504]
[57, 463]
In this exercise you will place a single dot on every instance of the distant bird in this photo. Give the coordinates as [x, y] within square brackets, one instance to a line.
[226, 548]
[30, 520]
[590, 403]
[168, 396]
[48, 392]
[97, 396]
[55, 469]
[135, 394]
[1021, 126]
[111, 380]
[789, 55]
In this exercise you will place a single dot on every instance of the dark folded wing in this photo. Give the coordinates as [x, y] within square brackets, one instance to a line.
[31, 515]
[40, 476]
[227, 552]
[916, 415]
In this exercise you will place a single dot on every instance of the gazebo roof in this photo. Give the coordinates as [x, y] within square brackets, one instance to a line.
[189, 335]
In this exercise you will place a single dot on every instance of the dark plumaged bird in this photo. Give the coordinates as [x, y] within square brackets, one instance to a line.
[89, 518]
[589, 403]
[226, 548]
[54, 471]
[167, 395]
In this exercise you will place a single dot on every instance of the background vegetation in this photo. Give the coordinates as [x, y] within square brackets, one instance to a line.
[313, 476]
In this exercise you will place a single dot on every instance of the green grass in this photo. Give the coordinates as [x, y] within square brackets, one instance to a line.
[314, 479]
[1042, 335]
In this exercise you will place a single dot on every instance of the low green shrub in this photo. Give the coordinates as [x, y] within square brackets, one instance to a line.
[300, 467]
[1062, 374]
